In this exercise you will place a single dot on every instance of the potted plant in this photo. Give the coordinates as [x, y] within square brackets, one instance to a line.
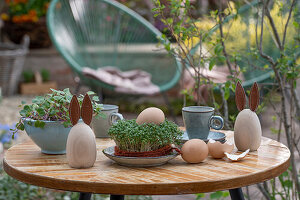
[144, 140]
[37, 83]
[46, 120]
[24, 17]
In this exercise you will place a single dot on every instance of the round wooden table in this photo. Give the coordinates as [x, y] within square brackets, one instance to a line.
[26, 163]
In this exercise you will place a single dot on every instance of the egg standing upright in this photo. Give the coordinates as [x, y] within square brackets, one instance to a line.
[247, 128]
[81, 143]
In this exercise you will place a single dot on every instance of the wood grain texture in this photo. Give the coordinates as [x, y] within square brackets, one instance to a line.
[74, 110]
[81, 146]
[240, 96]
[87, 110]
[254, 97]
[25, 162]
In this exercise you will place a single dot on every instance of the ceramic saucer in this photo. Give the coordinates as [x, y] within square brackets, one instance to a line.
[138, 161]
[217, 136]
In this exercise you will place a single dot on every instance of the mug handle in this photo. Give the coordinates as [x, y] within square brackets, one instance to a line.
[114, 117]
[212, 122]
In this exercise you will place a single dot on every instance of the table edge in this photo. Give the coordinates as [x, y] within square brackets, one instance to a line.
[143, 189]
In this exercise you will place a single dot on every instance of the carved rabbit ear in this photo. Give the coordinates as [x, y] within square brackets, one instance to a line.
[87, 110]
[74, 110]
[254, 97]
[240, 96]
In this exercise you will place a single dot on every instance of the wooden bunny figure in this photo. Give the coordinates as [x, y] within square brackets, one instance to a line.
[81, 143]
[247, 128]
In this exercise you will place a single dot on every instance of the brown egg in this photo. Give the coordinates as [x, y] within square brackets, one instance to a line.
[217, 149]
[194, 151]
[151, 115]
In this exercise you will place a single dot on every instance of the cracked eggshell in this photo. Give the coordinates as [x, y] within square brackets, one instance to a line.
[194, 151]
[151, 115]
[233, 157]
[217, 149]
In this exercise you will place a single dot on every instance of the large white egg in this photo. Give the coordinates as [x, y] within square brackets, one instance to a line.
[247, 131]
[151, 115]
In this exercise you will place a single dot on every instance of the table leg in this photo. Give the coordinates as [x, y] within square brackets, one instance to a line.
[236, 194]
[85, 196]
[116, 197]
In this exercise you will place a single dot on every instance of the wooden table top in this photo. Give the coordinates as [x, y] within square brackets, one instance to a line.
[26, 163]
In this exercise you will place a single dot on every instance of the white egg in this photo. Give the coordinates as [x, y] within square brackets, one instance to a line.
[81, 146]
[151, 115]
[247, 131]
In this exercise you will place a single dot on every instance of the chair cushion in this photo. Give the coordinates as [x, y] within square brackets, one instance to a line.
[128, 82]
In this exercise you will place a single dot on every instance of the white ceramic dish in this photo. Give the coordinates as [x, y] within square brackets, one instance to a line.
[138, 161]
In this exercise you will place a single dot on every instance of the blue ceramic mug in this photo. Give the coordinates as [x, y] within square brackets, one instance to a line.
[199, 119]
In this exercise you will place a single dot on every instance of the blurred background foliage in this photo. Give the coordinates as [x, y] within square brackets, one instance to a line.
[20, 11]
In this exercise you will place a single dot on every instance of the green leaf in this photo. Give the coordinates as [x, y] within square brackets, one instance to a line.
[66, 90]
[274, 131]
[38, 100]
[42, 124]
[296, 24]
[23, 113]
[216, 195]
[37, 123]
[225, 194]
[41, 111]
[266, 67]
[200, 195]
[21, 127]
[27, 108]
[288, 183]
[212, 63]
[285, 174]
[227, 93]
[222, 58]
[95, 98]
[218, 49]
[227, 84]
[90, 93]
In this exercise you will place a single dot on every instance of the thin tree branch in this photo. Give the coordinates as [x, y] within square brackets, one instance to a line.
[287, 22]
[297, 105]
[259, 45]
[225, 106]
[263, 191]
[274, 29]
[279, 129]
[287, 127]
[222, 41]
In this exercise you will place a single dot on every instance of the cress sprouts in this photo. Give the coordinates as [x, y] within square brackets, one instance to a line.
[129, 136]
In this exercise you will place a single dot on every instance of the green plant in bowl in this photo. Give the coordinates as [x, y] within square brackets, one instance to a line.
[46, 120]
[131, 137]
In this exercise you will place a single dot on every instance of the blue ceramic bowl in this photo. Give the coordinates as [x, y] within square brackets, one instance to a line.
[52, 139]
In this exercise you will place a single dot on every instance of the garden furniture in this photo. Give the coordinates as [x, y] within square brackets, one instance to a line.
[104, 33]
[12, 58]
[26, 163]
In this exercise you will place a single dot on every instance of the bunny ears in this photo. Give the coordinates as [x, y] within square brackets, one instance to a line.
[86, 110]
[240, 97]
